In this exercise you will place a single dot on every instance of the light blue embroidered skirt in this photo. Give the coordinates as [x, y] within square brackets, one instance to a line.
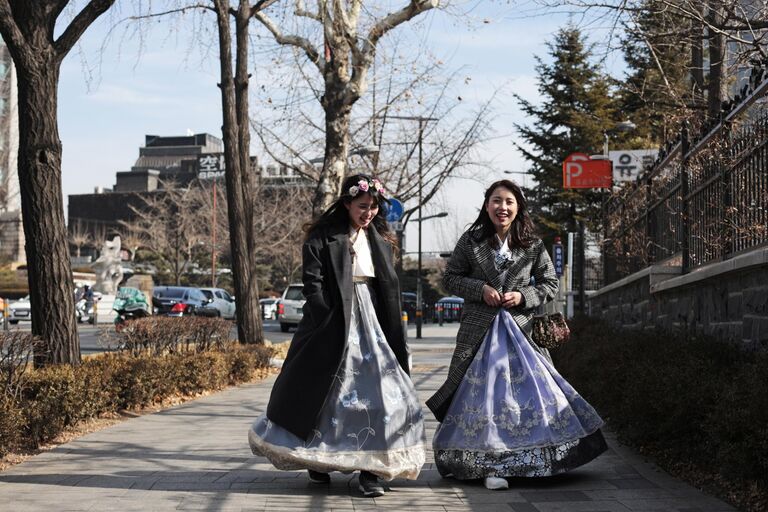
[514, 415]
[371, 419]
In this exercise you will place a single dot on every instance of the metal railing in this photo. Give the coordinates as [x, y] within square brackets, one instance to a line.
[704, 200]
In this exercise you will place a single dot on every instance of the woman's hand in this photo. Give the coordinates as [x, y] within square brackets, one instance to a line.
[491, 296]
[511, 299]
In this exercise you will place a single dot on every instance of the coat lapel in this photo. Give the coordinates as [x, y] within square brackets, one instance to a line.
[484, 256]
[520, 260]
[341, 260]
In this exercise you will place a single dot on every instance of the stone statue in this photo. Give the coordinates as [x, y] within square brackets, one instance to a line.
[108, 268]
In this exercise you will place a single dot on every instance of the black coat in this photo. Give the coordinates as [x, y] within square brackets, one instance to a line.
[317, 348]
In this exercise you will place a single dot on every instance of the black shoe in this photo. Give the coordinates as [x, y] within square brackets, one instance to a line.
[369, 485]
[317, 477]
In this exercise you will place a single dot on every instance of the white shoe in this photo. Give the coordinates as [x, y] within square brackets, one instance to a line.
[494, 483]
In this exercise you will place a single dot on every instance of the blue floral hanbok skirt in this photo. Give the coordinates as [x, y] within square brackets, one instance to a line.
[514, 415]
[371, 419]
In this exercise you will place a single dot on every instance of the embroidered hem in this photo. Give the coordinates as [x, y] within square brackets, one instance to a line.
[533, 462]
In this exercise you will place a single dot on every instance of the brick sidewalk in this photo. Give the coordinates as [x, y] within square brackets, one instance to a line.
[196, 457]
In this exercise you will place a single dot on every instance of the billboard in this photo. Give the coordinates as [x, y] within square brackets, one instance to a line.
[210, 166]
[629, 163]
[581, 172]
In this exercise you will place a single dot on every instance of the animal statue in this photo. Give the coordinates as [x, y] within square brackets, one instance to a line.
[108, 268]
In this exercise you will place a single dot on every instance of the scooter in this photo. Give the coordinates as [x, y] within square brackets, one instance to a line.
[130, 304]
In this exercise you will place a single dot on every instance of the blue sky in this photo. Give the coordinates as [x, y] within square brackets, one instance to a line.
[166, 87]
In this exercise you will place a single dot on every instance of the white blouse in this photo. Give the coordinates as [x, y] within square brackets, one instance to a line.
[362, 263]
[501, 254]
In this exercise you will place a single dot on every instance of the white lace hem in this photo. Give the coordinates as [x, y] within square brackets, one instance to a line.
[388, 465]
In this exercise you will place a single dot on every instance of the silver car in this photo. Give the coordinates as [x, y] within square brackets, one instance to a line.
[221, 301]
[289, 311]
[20, 310]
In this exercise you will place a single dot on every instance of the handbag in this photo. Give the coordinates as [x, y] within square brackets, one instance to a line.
[550, 331]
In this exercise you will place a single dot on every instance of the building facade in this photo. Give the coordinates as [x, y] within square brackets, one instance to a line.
[11, 228]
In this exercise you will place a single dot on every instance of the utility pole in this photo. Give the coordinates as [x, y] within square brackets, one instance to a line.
[419, 297]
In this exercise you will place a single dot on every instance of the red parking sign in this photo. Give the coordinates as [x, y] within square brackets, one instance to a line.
[581, 172]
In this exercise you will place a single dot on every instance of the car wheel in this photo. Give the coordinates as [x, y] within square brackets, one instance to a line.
[284, 327]
[14, 322]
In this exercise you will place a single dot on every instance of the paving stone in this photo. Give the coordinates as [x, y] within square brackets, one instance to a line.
[195, 457]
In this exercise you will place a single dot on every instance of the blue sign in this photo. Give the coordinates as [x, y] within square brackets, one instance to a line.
[558, 258]
[395, 210]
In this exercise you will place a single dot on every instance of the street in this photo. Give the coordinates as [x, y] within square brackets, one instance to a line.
[101, 338]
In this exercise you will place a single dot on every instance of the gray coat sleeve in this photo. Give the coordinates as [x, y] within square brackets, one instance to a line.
[545, 280]
[456, 277]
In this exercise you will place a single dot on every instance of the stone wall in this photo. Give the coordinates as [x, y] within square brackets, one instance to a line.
[727, 299]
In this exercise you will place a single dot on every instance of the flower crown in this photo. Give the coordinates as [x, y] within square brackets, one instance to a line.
[364, 186]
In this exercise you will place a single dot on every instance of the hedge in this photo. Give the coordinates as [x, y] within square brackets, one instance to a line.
[38, 405]
[696, 405]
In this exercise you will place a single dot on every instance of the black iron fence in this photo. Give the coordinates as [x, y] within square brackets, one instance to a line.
[704, 200]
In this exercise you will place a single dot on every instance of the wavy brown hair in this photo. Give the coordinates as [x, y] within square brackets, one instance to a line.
[521, 232]
[338, 215]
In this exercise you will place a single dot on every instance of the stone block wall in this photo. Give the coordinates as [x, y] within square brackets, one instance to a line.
[728, 300]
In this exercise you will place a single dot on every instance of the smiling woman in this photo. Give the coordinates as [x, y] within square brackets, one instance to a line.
[344, 400]
[504, 409]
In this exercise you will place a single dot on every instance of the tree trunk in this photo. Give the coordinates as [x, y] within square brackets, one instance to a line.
[337, 118]
[239, 178]
[717, 64]
[51, 286]
[697, 63]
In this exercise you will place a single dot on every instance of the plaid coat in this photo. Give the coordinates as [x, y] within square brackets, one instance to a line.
[471, 266]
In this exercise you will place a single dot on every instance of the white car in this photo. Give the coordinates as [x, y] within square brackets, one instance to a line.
[289, 310]
[269, 308]
[20, 310]
[221, 301]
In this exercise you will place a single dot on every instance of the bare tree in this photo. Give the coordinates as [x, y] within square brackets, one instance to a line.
[166, 225]
[38, 48]
[340, 40]
[400, 86]
[79, 236]
[239, 175]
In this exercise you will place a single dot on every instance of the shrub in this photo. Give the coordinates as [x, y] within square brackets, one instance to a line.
[695, 404]
[37, 405]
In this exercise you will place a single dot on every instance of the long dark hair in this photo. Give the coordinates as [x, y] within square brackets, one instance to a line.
[338, 215]
[521, 232]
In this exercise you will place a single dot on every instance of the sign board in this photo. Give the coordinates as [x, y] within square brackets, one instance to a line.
[395, 226]
[210, 166]
[581, 172]
[395, 210]
[629, 163]
[558, 258]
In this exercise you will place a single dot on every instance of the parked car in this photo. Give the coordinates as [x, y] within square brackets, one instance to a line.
[448, 309]
[222, 301]
[289, 310]
[269, 308]
[20, 310]
[181, 301]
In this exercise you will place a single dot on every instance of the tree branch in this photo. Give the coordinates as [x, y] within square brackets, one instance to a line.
[292, 40]
[78, 26]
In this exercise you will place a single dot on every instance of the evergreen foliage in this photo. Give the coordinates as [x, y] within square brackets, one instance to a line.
[576, 109]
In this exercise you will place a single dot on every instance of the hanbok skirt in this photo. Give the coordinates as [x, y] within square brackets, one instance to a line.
[371, 419]
[513, 415]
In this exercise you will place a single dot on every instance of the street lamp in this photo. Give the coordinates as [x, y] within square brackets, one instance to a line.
[435, 216]
[422, 121]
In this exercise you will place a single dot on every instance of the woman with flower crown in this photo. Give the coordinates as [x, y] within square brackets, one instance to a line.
[504, 410]
[343, 400]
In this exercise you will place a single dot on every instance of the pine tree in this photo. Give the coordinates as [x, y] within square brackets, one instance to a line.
[575, 111]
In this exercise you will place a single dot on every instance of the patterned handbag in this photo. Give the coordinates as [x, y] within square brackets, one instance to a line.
[550, 331]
